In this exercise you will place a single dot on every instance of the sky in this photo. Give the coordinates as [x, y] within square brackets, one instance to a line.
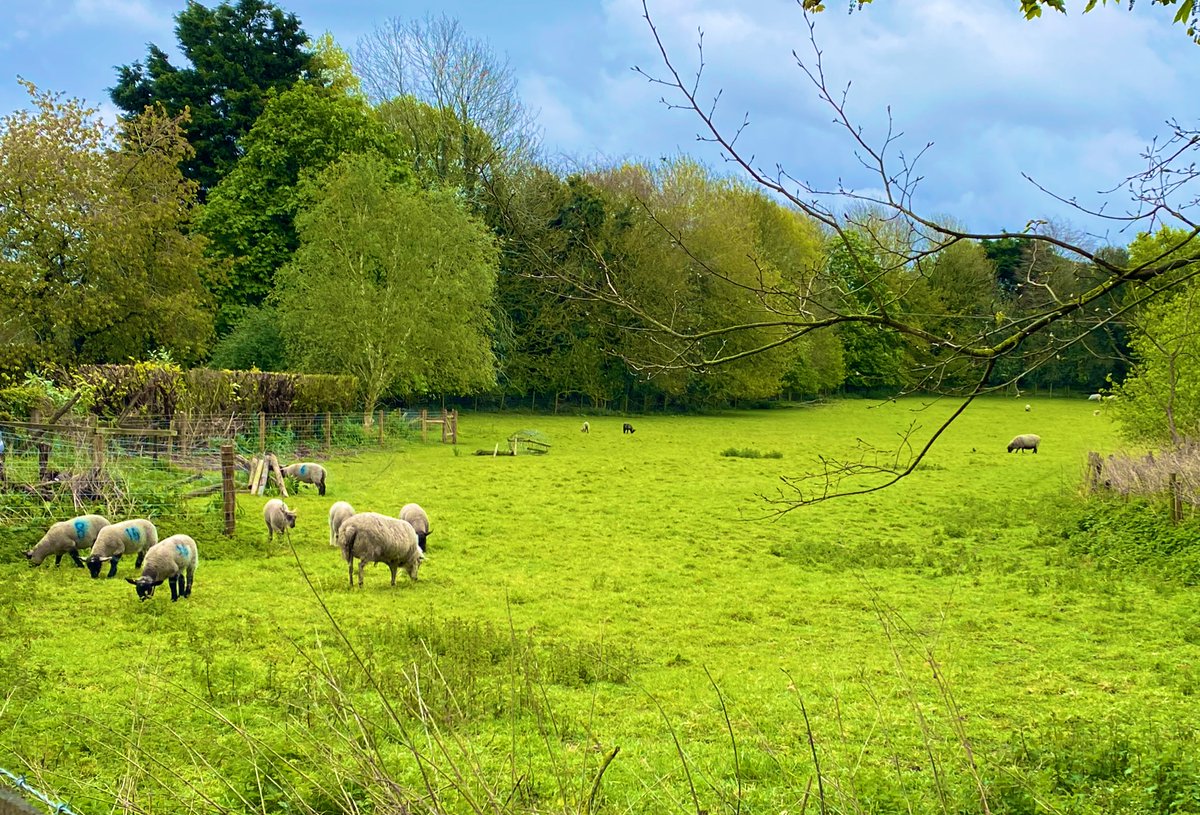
[1071, 101]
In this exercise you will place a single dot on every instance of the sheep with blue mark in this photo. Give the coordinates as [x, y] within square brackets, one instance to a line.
[375, 538]
[127, 537]
[67, 538]
[338, 513]
[307, 473]
[173, 560]
[419, 520]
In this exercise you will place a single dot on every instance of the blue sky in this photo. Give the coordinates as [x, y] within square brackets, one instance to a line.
[1071, 101]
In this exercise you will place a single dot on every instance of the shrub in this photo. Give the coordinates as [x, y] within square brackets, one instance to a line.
[749, 452]
[1134, 534]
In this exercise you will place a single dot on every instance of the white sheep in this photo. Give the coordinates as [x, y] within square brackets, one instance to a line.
[375, 538]
[67, 538]
[338, 513]
[586, 427]
[1095, 397]
[307, 473]
[174, 560]
[1026, 441]
[278, 518]
[1028, 408]
[135, 535]
[419, 520]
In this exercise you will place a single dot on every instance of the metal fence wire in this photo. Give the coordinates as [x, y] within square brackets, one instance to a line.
[11, 804]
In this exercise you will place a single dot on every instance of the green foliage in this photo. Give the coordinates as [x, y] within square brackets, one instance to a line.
[1135, 535]
[749, 452]
[391, 284]
[254, 341]
[237, 52]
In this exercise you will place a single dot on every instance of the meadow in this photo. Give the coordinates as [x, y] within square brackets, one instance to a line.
[622, 626]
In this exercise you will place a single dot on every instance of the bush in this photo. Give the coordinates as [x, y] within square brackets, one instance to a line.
[749, 452]
[1134, 534]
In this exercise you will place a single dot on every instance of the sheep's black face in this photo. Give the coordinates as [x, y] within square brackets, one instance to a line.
[93, 565]
[145, 589]
[291, 519]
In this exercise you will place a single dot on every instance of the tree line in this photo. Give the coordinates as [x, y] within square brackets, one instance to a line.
[278, 203]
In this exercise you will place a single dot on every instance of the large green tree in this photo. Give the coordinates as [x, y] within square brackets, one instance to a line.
[96, 260]
[236, 53]
[390, 283]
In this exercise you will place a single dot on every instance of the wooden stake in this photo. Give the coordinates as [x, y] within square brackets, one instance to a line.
[228, 491]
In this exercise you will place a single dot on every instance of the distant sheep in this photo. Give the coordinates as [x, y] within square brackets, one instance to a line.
[1095, 397]
[308, 473]
[173, 560]
[278, 518]
[1028, 408]
[338, 513]
[586, 428]
[127, 537]
[419, 520]
[1026, 441]
[375, 538]
[627, 428]
[67, 538]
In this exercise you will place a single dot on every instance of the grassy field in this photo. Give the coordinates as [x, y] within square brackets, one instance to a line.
[615, 628]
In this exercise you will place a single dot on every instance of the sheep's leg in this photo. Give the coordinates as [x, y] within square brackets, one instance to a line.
[112, 566]
[321, 488]
[78, 560]
[392, 566]
[137, 564]
[187, 591]
[58, 559]
[174, 587]
[361, 564]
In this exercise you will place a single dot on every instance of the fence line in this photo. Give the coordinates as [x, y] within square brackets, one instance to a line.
[19, 782]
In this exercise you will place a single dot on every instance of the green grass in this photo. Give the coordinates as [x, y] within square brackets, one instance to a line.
[633, 592]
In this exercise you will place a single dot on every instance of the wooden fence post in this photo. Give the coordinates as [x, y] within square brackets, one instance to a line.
[171, 440]
[262, 433]
[228, 490]
[328, 432]
[1176, 499]
[445, 420]
[424, 425]
[97, 450]
[381, 428]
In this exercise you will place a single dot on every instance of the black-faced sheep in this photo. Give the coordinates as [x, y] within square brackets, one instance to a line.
[419, 520]
[67, 538]
[308, 473]
[1026, 441]
[338, 513]
[627, 428]
[174, 560]
[127, 537]
[375, 538]
[278, 518]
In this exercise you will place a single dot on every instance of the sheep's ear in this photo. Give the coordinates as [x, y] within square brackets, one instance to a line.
[28, 555]
[131, 580]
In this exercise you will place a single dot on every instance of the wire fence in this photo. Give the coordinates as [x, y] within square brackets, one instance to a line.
[80, 464]
[12, 805]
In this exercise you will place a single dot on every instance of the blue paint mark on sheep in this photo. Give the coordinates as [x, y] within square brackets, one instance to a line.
[81, 528]
[303, 467]
[182, 550]
[133, 534]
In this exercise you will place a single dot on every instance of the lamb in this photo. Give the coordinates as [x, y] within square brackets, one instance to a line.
[136, 535]
[1026, 441]
[174, 560]
[338, 513]
[308, 473]
[278, 518]
[627, 428]
[1028, 408]
[419, 520]
[67, 537]
[375, 538]
[586, 427]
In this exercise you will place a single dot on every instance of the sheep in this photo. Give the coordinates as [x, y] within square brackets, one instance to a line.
[1028, 408]
[1095, 413]
[1095, 397]
[67, 538]
[419, 520]
[278, 518]
[375, 538]
[174, 560]
[586, 428]
[338, 513]
[308, 473]
[1026, 441]
[627, 428]
[136, 535]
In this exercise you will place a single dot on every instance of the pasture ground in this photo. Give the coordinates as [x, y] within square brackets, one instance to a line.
[924, 643]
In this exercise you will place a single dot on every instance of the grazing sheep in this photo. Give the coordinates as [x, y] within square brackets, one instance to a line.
[419, 520]
[136, 535]
[278, 518]
[1028, 408]
[1095, 397]
[67, 538]
[338, 513]
[308, 473]
[375, 538]
[627, 428]
[586, 427]
[1026, 441]
[174, 560]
